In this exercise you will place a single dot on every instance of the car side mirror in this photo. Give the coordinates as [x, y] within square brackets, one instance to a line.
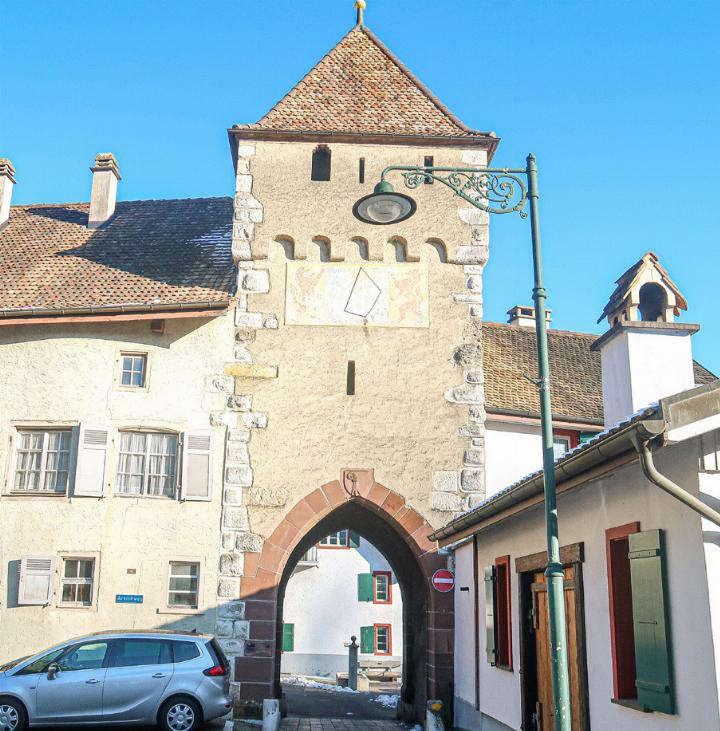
[53, 670]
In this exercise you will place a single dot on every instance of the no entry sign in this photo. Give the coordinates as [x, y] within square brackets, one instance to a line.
[443, 581]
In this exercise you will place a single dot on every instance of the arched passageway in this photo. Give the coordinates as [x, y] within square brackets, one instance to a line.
[400, 533]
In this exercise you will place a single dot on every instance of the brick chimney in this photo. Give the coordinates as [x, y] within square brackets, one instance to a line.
[104, 189]
[7, 180]
[524, 315]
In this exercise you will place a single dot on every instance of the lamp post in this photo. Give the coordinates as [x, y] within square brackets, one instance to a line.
[502, 190]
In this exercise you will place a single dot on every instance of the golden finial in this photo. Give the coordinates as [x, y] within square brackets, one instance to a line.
[360, 6]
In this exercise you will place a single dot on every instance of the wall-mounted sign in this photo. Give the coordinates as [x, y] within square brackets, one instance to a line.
[128, 598]
[355, 294]
[443, 581]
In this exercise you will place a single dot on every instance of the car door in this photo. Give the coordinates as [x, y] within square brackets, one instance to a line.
[74, 693]
[139, 670]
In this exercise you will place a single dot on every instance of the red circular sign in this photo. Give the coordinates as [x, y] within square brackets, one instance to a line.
[443, 581]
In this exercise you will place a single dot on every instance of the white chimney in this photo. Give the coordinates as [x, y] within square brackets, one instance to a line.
[7, 180]
[104, 189]
[525, 316]
[644, 356]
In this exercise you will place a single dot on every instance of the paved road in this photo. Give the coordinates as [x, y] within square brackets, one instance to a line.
[305, 703]
[217, 725]
[327, 724]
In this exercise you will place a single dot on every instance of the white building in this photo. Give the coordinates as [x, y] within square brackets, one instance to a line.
[343, 587]
[641, 565]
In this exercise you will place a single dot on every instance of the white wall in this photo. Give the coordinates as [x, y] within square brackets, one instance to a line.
[584, 515]
[512, 451]
[322, 602]
[710, 492]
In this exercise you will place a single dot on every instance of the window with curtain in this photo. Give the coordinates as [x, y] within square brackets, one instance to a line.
[147, 464]
[42, 460]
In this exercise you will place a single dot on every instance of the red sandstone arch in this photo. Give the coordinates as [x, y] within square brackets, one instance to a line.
[263, 572]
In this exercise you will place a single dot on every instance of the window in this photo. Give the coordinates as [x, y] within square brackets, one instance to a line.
[382, 587]
[498, 614]
[88, 656]
[183, 585]
[77, 581]
[41, 664]
[42, 460]
[147, 463]
[383, 639]
[429, 162]
[184, 651]
[320, 163]
[132, 652]
[133, 370]
[335, 540]
[310, 556]
[710, 452]
[563, 441]
[361, 170]
[639, 622]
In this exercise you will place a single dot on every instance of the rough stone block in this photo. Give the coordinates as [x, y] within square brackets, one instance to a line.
[241, 250]
[224, 628]
[465, 394]
[254, 420]
[228, 588]
[248, 542]
[471, 430]
[223, 418]
[266, 496]
[474, 457]
[240, 402]
[242, 354]
[468, 354]
[477, 414]
[445, 481]
[239, 475]
[271, 322]
[255, 280]
[228, 540]
[474, 283]
[250, 370]
[470, 298]
[474, 157]
[232, 646]
[222, 384]
[471, 255]
[446, 502]
[231, 564]
[474, 375]
[246, 150]
[236, 518]
[232, 496]
[473, 216]
[245, 335]
[237, 452]
[243, 231]
[231, 610]
[241, 630]
[475, 310]
[473, 500]
[238, 435]
[243, 183]
[472, 480]
[249, 319]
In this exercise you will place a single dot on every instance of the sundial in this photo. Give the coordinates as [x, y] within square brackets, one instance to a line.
[364, 295]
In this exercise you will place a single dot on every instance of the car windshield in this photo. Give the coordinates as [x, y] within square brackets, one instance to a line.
[41, 661]
[12, 663]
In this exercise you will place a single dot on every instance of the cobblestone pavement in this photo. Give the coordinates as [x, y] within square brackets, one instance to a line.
[342, 724]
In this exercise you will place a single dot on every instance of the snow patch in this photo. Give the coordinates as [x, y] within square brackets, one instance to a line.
[388, 701]
[306, 683]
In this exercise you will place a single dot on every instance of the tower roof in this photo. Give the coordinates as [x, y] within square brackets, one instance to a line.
[361, 88]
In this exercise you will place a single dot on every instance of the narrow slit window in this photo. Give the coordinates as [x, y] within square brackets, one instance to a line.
[429, 162]
[361, 170]
[320, 163]
[350, 390]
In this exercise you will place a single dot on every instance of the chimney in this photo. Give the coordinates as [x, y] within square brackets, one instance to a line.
[7, 180]
[104, 189]
[645, 355]
[525, 316]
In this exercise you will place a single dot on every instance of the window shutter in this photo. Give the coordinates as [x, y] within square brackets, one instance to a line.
[650, 621]
[365, 588]
[37, 580]
[367, 640]
[288, 641]
[353, 539]
[92, 461]
[490, 643]
[197, 466]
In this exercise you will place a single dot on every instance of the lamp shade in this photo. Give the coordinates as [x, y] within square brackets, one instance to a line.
[384, 206]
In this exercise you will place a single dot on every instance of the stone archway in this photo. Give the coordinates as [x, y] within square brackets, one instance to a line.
[397, 530]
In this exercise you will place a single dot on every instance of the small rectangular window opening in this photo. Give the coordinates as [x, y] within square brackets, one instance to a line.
[429, 162]
[133, 370]
[350, 378]
[320, 163]
[361, 170]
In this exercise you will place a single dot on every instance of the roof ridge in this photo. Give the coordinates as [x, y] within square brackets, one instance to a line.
[553, 331]
[120, 202]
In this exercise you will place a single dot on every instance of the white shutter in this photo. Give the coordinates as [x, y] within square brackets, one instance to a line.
[92, 461]
[37, 579]
[197, 466]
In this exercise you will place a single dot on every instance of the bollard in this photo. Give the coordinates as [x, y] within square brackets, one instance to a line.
[353, 664]
[271, 714]
[433, 716]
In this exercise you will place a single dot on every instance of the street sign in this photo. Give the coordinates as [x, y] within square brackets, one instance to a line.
[128, 598]
[443, 581]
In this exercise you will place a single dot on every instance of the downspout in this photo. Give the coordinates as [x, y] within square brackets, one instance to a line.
[650, 471]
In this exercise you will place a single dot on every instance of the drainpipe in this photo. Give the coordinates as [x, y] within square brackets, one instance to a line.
[648, 467]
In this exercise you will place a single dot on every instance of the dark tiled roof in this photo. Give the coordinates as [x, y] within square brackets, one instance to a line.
[361, 87]
[161, 252]
[509, 351]
[702, 374]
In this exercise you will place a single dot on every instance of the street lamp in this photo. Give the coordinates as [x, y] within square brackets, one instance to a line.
[502, 190]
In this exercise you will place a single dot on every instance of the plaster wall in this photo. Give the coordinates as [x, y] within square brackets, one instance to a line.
[710, 493]
[68, 373]
[585, 514]
[322, 602]
[511, 452]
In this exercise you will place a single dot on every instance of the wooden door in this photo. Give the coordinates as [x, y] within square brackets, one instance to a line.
[542, 712]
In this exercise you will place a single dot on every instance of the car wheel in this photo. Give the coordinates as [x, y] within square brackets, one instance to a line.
[179, 714]
[12, 715]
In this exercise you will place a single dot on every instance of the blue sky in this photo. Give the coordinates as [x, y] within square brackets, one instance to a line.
[620, 102]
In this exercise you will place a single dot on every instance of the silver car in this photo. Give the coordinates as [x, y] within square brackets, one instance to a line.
[174, 679]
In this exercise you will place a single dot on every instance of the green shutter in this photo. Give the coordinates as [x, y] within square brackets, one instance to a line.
[288, 644]
[353, 539]
[365, 588]
[490, 630]
[367, 640]
[650, 621]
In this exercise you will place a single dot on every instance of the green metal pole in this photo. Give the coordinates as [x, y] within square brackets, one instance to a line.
[554, 572]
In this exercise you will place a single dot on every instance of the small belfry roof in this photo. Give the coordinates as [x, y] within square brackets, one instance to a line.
[360, 87]
[627, 280]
